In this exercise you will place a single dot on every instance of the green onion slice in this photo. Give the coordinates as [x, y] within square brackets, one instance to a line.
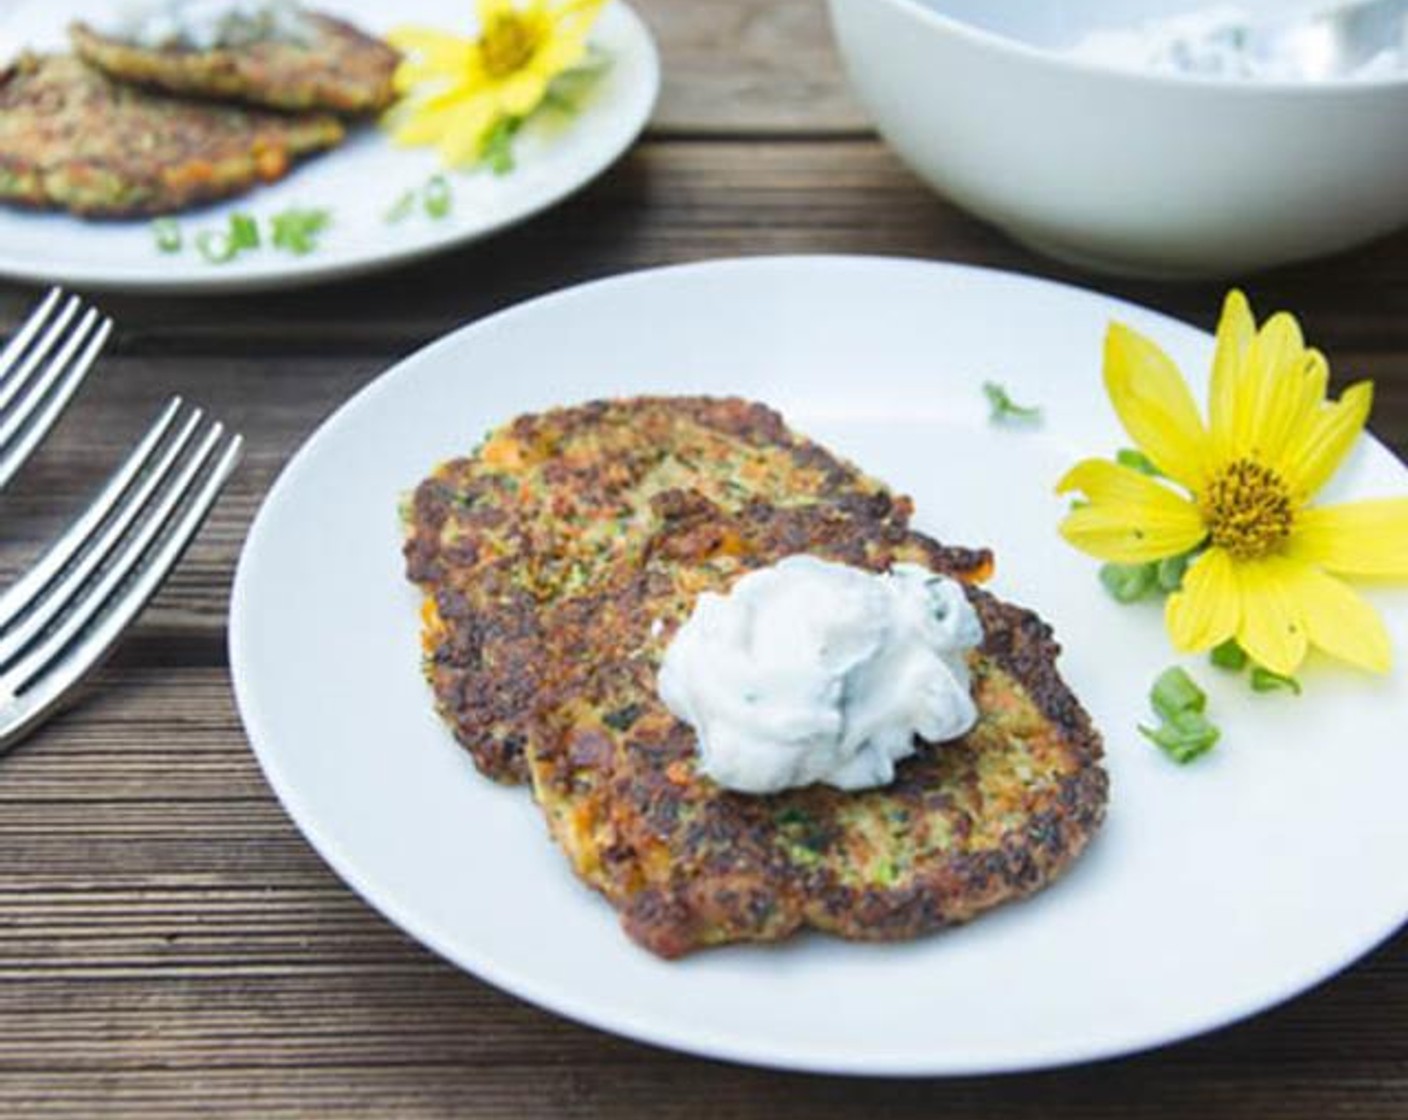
[436, 197]
[216, 246]
[167, 232]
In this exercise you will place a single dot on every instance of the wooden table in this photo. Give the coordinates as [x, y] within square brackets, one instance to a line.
[169, 944]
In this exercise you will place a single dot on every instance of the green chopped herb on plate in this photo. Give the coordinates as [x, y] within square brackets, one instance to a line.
[1184, 732]
[167, 232]
[1003, 408]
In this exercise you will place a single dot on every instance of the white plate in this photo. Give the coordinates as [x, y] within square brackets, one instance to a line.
[1213, 891]
[358, 182]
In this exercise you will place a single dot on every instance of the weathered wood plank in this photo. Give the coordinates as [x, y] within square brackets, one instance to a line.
[675, 202]
[672, 202]
[738, 66]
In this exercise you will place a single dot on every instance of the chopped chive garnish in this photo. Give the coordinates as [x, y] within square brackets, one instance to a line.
[1185, 739]
[1128, 583]
[1229, 655]
[244, 232]
[296, 230]
[1184, 732]
[216, 246]
[497, 149]
[1136, 460]
[401, 209]
[167, 232]
[1002, 407]
[1174, 691]
[1264, 680]
[436, 197]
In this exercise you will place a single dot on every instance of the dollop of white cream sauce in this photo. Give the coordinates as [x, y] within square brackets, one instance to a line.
[206, 25]
[810, 671]
[1216, 42]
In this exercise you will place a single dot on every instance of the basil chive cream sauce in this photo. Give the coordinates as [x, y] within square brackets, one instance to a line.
[809, 671]
[206, 25]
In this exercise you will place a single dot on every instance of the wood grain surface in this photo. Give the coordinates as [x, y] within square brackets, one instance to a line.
[169, 944]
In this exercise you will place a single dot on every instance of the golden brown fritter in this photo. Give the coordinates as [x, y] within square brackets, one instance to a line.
[552, 503]
[340, 69]
[966, 825]
[72, 138]
[557, 563]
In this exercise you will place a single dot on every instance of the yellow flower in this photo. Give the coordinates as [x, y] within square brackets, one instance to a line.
[1269, 566]
[459, 90]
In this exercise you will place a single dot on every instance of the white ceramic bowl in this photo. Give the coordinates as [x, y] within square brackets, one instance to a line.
[1119, 170]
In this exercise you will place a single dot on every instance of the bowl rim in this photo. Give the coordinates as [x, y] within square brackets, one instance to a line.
[991, 40]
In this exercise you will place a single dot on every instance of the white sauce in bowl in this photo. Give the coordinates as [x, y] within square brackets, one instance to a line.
[1219, 42]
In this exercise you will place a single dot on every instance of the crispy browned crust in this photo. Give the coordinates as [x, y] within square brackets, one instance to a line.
[72, 138]
[966, 825]
[556, 501]
[342, 70]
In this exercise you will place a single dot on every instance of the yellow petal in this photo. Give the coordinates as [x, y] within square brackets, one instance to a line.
[1107, 482]
[1367, 538]
[578, 12]
[1235, 331]
[1131, 519]
[420, 128]
[425, 121]
[562, 53]
[1272, 628]
[1276, 348]
[1111, 536]
[522, 93]
[1326, 438]
[1288, 408]
[1154, 405]
[1206, 610]
[432, 57]
[427, 41]
[1341, 623]
[463, 143]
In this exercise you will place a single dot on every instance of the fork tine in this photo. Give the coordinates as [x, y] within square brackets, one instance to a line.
[27, 588]
[50, 395]
[87, 600]
[34, 697]
[14, 382]
[40, 609]
[28, 329]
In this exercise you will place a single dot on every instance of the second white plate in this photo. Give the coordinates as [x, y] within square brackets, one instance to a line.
[1213, 891]
[358, 183]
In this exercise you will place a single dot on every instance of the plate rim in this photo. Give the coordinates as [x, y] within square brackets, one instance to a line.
[302, 272]
[522, 986]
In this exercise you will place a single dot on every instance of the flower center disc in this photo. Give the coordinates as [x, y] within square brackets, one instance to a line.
[506, 46]
[1247, 508]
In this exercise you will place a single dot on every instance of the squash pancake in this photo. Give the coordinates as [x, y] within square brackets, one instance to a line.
[73, 138]
[338, 69]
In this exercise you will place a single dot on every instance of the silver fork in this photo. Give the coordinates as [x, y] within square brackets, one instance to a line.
[66, 613]
[41, 368]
